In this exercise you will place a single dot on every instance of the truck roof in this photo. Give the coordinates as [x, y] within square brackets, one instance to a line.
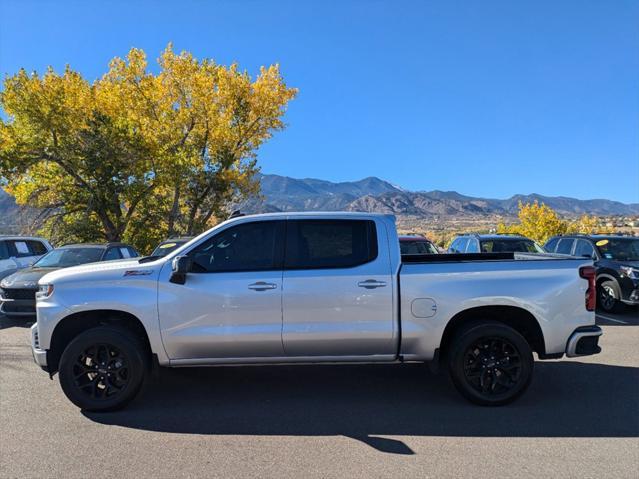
[315, 214]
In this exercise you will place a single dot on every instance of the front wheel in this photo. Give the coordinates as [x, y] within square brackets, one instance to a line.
[491, 364]
[102, 369]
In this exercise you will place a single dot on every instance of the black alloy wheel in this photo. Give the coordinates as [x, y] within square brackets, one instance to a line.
[492, 366]
[490, 363]
[103, 368]
[101, 371]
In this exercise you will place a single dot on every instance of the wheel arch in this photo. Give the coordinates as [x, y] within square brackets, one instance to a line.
[520, 319]
[72, 325]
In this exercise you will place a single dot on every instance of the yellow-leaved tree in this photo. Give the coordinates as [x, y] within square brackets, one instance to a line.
[540, 222]
[137, 156]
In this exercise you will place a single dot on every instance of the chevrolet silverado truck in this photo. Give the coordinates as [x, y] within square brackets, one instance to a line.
[299, 288]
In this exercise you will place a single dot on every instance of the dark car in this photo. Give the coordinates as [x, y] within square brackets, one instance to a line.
[171, 244]
[416, 244]
[493, 243]
[616, 261]
[17, 291]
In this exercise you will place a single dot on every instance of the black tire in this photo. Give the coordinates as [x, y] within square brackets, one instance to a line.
[490, 364]
[103, 369]
[608, 297]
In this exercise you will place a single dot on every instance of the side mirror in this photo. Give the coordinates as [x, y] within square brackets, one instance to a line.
[181, 265]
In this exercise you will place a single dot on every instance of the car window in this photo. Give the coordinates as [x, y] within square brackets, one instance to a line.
[584, 249]
[37, 248]
[565, 245]
[111, 254]
[463, 242]
[256, 246]
[132, 252]
[473, 247]
[510, 246]
[21, 249]
[317, 244]
[65, 257]
[124, 251]
[416, 247]
[4, 250]
[552, 245]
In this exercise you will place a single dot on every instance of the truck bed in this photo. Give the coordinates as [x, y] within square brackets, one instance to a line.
[472, 257]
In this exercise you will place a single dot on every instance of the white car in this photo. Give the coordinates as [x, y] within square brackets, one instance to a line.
[17, 252]
[311, 288]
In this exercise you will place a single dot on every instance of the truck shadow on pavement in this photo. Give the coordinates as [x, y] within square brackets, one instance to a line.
[566, 399]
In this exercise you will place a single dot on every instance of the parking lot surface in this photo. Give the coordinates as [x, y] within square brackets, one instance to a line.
[580, 418]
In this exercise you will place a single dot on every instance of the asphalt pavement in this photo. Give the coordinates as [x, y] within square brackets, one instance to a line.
[580, 418]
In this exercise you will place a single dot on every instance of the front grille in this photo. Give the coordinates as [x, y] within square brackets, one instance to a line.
[10, 307]
[9, 293]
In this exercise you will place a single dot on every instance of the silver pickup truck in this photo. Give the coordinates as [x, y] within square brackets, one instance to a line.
[311, 288]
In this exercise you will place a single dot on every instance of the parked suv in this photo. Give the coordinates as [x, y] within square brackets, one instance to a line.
[18, 290]
[616, 261]
[493, 243]
[416, 244]
[17, 252]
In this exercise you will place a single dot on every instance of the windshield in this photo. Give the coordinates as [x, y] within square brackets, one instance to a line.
[621, 249]
[65, 257]
[165, 248]
[417, 247]
[510, 246]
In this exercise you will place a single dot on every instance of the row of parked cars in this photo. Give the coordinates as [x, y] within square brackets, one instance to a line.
[24, 260]
[616, 258]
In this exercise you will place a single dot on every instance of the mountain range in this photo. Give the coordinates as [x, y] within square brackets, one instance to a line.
[282, 193]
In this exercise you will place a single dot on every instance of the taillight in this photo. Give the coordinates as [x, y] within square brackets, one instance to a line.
[588, 273]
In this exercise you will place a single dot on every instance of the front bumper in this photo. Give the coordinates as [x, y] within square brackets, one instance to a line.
[584, 341]
[39, 355]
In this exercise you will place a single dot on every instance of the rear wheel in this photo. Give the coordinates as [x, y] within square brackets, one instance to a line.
[491, 364]
[609, 297]
[102, 369]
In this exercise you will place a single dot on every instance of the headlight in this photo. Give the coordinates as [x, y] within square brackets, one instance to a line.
[44, 291]
[630, 272]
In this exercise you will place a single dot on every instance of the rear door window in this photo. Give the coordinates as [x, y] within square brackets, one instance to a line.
[565, 245]
[36, 247]
[584, 249]
[552, 245]
[21, 249]
[4, 250]
[111, 254]
[324, 244]
[473, 246]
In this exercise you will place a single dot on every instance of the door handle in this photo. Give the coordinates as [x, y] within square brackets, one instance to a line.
[371, 284]
[262, 286]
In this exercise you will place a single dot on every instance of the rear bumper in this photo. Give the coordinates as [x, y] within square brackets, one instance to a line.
[584, 341]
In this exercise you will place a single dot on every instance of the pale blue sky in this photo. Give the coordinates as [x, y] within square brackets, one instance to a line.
[488, 98]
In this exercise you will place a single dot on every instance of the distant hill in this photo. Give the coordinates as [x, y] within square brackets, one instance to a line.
[281, 193]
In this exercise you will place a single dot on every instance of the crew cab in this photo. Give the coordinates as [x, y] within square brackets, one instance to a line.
[296, 288]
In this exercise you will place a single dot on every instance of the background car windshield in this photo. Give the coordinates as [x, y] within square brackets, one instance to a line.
[65, 257]
[622, 249]
[417, 247]
[165, 248]
[510, 246]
